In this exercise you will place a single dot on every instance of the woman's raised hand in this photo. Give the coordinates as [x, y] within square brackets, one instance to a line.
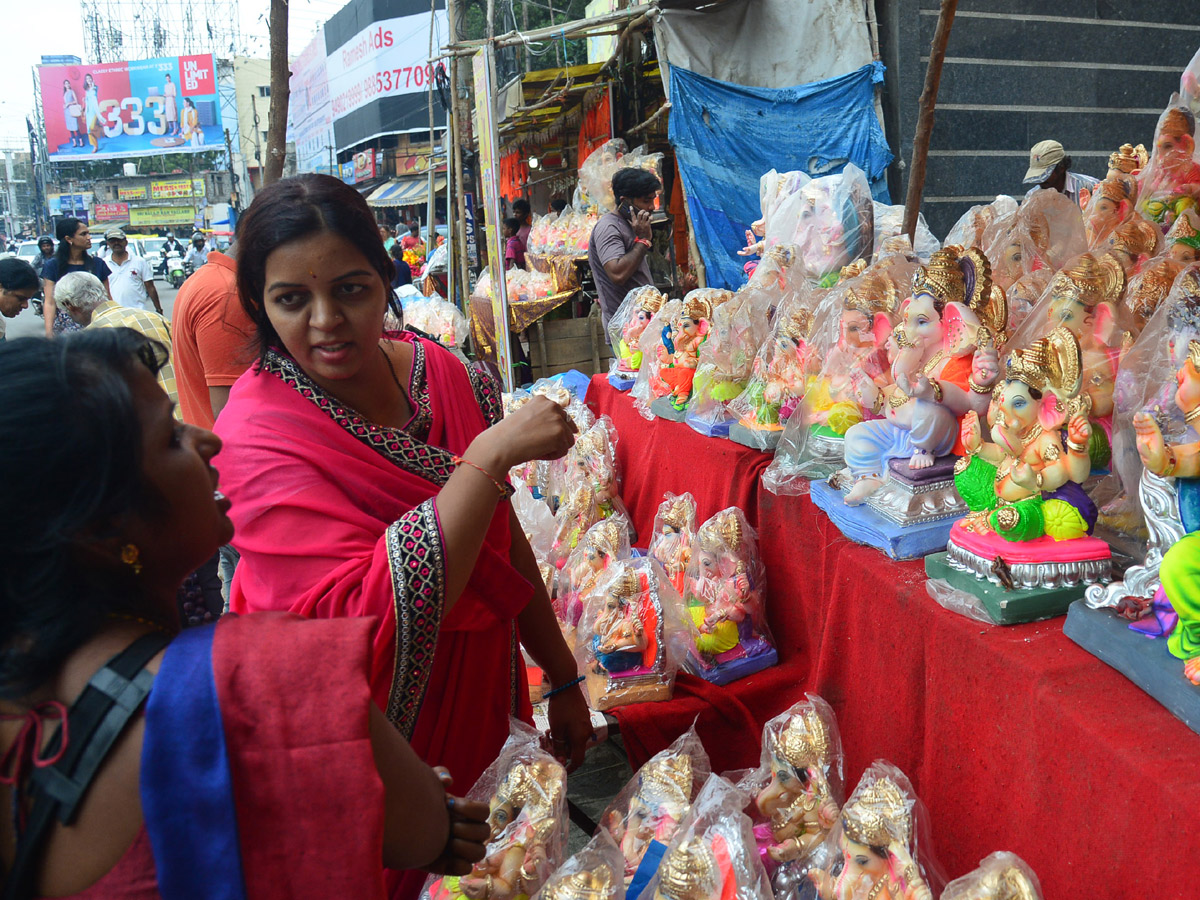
[541, 429]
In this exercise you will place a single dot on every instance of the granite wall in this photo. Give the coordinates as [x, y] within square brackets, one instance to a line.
[1092, 74]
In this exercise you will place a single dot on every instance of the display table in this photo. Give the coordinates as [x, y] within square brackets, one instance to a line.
[1015, 738]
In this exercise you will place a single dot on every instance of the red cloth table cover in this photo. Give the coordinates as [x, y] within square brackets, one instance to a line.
[1015, 738]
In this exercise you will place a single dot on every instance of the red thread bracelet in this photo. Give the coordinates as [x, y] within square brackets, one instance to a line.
[458, 460]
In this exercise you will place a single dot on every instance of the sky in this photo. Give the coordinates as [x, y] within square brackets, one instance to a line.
[30, 23]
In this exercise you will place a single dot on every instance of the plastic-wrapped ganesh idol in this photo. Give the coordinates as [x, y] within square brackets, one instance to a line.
[642, 392]
[625, 330]
[645, 815]
[588, 492]
[674, 536]
[712, 856]
[679, 353]
[797, 788]
[594, 873]
[526, 791]
[1001, 876]
[725, 594]
[897, 491]
[1025, 491]
[876, 849]
[602, 544]
[631, 636]
[1171, 180]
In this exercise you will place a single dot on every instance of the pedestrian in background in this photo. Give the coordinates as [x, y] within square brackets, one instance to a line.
[18, 285]
[514, 247]
[132, 279]
[74, 241]
[621, 239]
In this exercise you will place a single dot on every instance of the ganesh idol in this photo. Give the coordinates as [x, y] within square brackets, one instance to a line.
[626, 329]
[1171, 180]
[1000, 876]
[679, 351]
[945, 366]
[779, 375]
[1031, 520]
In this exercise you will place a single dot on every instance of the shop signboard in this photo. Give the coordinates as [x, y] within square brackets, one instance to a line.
[364, 166]
[348, 172]
[131, 193]
[483, 67]
[147, 107]
[75, 205]
[112, 212]
[162, 215]
[469, 229]
[177, 189]
[378, 70]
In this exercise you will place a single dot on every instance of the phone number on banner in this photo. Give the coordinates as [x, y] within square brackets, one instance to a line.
[383, 82]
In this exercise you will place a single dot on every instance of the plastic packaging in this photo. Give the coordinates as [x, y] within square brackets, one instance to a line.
[1112, 204]
[594, 873]
[971, 226]
[631, 635]
[594, 192]
[586, 489]
[438, 318]
[628, 324]
[1146, 382]
[797, 787]
[738, 329]
[674, 536]
[1146, 291]
[882, 835]
[725, 595]
[1000, 876]
[526, 790]
[538, 524]
[645, 815]
[948, 597]
[851, 332]
[889, 223]
[648, 344]
[602, 544]
[830, 220]
[1170, 183]
[1044, 232]
[713, 854]
[678, 349]
[781, 370]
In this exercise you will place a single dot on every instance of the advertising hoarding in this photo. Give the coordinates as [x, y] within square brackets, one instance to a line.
[310, 122]
[70, 205]
[378, 71]
[364, 165]
[176, 189]
[131, 193]
[162, 215]
[112, 212]
[126, 109]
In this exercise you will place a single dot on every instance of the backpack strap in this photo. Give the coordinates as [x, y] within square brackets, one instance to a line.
[96, 719]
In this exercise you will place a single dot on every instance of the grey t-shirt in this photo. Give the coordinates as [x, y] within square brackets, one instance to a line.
[611, 239]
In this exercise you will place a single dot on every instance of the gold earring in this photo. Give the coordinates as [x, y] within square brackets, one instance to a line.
[129, 556]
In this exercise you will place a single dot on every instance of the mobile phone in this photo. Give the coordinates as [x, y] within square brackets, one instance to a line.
[626, 211]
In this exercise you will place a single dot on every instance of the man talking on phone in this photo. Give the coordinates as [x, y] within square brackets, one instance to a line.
[620, 241]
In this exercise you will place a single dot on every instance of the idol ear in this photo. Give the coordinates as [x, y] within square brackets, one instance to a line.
[1053, 412]
[882, 328]
[1105, 326]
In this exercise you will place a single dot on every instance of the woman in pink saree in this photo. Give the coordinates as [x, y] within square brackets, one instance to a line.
[367, 479]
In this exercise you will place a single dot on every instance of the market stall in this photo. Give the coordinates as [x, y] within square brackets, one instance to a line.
[1014, 736]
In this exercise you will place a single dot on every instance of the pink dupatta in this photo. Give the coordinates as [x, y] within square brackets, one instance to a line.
[334, 516]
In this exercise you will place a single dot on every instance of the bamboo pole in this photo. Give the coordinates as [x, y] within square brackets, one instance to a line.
[933, 78]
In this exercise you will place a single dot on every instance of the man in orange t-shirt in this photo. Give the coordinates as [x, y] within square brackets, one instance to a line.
[213, 339]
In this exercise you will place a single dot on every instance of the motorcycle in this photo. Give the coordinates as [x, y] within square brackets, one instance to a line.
[175, 270]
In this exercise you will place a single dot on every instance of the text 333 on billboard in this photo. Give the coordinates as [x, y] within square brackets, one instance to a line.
[383, 82]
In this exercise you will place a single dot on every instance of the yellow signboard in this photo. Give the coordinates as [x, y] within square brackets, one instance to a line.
[131, 193]
[162, 215]
[174, 190]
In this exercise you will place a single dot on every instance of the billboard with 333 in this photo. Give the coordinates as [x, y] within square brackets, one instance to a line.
[147, 107]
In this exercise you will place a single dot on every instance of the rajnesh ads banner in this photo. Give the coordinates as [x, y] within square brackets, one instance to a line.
[124, 109]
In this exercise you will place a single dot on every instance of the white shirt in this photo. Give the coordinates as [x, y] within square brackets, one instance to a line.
[128, 282]
[1073, 187]
[196, 257]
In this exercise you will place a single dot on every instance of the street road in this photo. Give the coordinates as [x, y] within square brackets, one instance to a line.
[29, 323]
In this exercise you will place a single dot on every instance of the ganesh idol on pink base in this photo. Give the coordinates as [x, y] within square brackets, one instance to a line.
[1030, 527]
[679, 353]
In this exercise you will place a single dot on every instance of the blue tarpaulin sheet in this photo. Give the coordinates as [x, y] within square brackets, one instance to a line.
[726, 136]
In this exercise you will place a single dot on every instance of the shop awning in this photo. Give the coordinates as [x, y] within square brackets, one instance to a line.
[406, 191]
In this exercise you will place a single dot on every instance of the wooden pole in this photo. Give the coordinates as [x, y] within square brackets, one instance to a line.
[933, 78]
[278, 113]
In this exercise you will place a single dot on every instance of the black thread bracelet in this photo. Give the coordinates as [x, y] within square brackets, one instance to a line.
[560, 689]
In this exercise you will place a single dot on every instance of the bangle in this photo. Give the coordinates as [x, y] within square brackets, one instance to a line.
[1190, 417]
[1078, 448]
[458, 461]
[558, 690]
[643, 241]
[976, 388]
